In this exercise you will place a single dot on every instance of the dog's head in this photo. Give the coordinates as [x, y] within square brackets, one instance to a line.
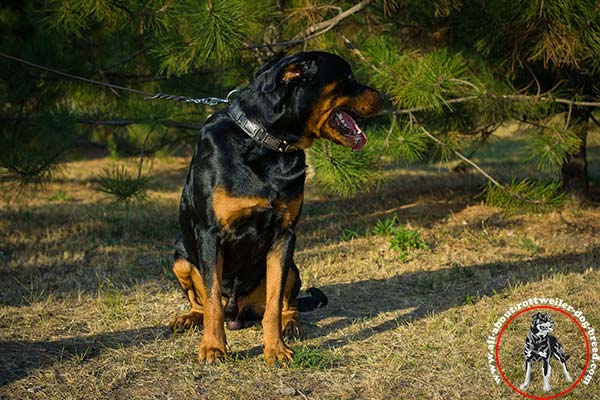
[542, 324]
[312, 95]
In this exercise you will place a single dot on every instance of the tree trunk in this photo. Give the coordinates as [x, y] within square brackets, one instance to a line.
[574, 168]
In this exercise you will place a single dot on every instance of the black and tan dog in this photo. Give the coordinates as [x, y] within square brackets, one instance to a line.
[244, 192]
[541, 346]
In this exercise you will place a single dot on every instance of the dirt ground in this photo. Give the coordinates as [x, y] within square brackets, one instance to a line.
[86, 293]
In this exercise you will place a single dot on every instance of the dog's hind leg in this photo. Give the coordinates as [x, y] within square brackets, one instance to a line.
[546, 369]
[567, 375]
[252, 306]
[525, 384]
[560, 356]
[184, 272]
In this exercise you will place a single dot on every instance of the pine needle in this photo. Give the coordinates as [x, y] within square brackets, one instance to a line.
[121, 186]
[525, 195]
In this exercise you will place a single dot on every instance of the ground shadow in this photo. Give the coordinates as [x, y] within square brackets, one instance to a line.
[19, 358]
[421, 293]
[146, 231]
[418, 293]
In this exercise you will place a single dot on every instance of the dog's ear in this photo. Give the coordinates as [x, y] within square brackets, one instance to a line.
[536, 316]
[305, 69]
[285, 71]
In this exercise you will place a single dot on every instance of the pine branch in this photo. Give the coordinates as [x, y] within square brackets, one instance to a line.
[114, 122]
[515, 97]
[493, 181]
[126, 59]
[462, 157]
[330, 23]
[426, 108]
[313, 31]
[126, 122]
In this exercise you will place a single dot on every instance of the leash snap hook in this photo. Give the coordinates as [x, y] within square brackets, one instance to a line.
[232, 92]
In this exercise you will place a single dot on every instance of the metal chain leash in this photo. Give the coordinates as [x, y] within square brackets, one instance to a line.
[210, 101]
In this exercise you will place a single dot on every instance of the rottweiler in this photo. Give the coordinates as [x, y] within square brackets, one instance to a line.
[540, 345]
[244, 192]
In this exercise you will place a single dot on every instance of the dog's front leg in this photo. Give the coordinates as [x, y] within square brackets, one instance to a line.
[525, 384]
[279, 260]
[212, 346]
[547, 369]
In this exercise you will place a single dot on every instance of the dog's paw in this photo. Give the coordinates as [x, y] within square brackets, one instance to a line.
[211, 353]
[280, 352]
[187, 321]
[547, 388]
[524, 386]
[292, 329]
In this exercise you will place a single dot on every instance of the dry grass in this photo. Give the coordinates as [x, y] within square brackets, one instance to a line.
[86, 292]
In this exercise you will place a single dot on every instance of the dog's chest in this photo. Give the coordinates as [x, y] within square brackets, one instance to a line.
[236, 214]
[538, 344]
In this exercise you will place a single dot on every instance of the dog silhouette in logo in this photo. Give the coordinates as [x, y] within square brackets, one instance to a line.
[540, 345]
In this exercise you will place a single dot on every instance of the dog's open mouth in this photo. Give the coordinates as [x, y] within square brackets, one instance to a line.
[545, 327]
[344, 123]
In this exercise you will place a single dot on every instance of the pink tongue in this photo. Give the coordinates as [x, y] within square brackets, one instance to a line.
[357, 131]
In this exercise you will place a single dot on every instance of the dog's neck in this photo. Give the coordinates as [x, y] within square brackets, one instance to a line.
[258, 132]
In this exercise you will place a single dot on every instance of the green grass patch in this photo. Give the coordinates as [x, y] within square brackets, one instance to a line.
[60, 196]
[349, 234]
[307, 357]
[528, 245]
[403, 240]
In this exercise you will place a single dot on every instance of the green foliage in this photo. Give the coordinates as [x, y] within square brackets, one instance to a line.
[416, 79]
[402, 141]
[402, 239]
[565, 33]
[75, 17]
[470, 299]
[119, 185]
[525, 195]
[549, 148]
[31, 150]
[60, 196]
[349, 234]
[385, 227]
[528, 244]
[459, 67]
[343, 171]
[306, 357]
[202, 31]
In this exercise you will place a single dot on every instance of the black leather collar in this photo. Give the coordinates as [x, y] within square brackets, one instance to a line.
[258, 133]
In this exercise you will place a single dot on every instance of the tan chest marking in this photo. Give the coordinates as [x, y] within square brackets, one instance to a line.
[228, 208]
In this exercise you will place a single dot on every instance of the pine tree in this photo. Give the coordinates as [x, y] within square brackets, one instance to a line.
[183, 47]
[453, 70]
